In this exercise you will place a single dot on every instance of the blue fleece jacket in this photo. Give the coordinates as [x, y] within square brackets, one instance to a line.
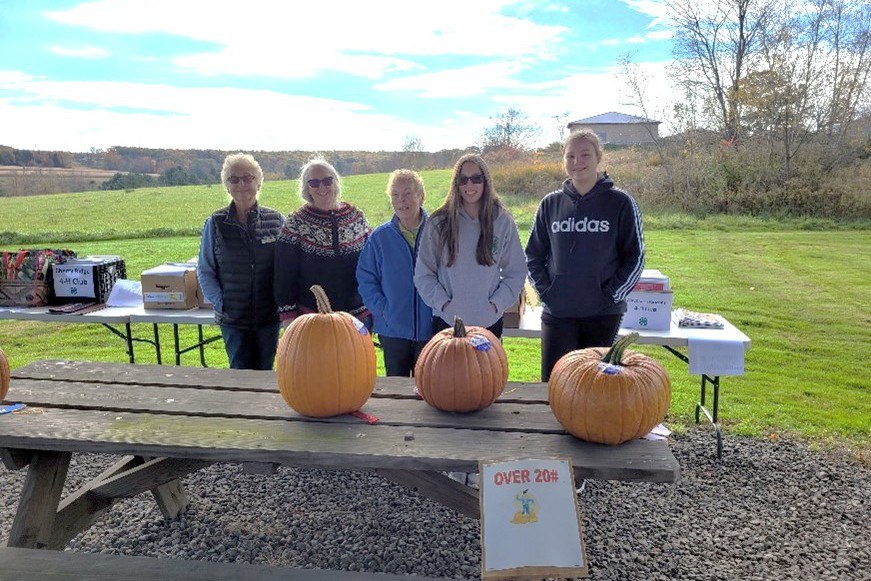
[586, 252]
[385, 279]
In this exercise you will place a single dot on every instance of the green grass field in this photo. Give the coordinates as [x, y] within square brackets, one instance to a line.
[801, 296]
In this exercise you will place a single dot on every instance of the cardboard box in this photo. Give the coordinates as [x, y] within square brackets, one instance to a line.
[170, 286]
[648, 310]
[202, 302]
[511, 316]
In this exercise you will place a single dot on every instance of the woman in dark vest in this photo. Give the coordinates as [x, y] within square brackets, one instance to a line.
[236, 267]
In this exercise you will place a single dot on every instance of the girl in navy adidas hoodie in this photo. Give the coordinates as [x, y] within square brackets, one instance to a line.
[584, 255]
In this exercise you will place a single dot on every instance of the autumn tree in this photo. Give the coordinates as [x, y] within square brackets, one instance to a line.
[715, 44]
[511, 130]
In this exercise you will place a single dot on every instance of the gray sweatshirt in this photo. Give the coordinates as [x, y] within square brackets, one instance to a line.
[467, 286]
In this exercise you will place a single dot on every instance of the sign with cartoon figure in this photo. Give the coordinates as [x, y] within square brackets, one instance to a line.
[530, 522]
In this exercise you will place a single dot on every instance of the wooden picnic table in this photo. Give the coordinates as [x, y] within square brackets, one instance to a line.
[166, 422]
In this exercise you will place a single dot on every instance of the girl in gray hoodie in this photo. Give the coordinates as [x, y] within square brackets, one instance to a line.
[470, 263]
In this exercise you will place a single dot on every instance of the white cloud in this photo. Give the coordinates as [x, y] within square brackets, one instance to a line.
[658, 9]
[88, 52]
[102, 114]
[654, 35]
[660, 35]
[456, 83]
[283, 39]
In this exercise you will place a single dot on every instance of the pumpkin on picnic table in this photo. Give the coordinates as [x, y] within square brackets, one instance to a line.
[461, 369]
[325, 362]
[4, 375]
[609, 396]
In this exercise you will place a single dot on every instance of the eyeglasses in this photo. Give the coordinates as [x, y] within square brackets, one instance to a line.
[236, 179]
[475, 179]
[316, 183]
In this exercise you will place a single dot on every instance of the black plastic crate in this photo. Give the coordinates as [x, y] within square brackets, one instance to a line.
[97, 275]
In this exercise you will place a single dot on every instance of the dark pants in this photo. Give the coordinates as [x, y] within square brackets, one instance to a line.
[439, 325]
[400, 355]
[561, 335]
[251, 348]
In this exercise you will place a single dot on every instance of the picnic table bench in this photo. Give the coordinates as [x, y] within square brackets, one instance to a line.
[33, 565]
[163, 423]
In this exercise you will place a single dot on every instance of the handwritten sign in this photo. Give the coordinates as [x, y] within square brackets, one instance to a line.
[648, 310]
[74, 280]
[530, 522]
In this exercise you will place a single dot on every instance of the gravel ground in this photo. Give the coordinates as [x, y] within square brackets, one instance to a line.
[769, 510]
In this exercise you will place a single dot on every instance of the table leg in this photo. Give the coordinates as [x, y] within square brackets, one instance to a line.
[437, 486]
[130, 343]
[81, 509]
[201, 345]
[712, 415]
[157, 343]
[40, 496]
[700, 406]
[177, 350]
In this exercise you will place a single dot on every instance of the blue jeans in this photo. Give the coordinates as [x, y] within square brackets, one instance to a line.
[251, 348]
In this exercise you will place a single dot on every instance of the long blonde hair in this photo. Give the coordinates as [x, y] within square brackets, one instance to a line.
[447, 219]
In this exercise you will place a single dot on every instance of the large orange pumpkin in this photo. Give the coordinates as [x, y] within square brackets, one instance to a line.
[4, 375]
[325, 362]
[461, 370]
[609, 396]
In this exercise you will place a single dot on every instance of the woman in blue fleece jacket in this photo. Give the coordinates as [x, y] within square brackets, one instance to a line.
[385, 276]
[584, 255]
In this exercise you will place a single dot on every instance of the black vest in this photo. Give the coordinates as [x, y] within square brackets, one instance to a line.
[245, 258]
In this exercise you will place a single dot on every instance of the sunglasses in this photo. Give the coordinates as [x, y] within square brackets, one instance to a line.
[475, 179]
[236, 179]
[316, 183]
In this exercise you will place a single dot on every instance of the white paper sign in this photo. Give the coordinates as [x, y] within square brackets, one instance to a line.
[74, 280]
[529, 519]
[125, 293]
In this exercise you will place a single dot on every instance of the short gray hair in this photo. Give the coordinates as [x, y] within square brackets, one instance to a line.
[242, 160]
[306, 171]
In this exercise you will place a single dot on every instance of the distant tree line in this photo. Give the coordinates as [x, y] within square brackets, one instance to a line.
[141, 167]
[30, 158]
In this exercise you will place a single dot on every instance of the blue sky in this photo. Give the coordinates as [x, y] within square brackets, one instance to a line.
[322, 75]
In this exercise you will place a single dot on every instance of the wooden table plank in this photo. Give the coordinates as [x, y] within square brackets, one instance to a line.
[229, 379]
[324, 444]
[270, 405]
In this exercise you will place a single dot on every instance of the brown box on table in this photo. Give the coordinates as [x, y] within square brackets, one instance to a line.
[170, 286]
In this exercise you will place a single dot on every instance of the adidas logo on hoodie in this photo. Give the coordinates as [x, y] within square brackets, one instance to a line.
[585, 225]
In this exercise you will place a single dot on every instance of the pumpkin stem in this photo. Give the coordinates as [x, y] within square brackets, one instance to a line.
[615, 353]
[324, 306]
[459, 327]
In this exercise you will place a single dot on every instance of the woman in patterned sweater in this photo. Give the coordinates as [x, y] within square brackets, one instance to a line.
[320, 244]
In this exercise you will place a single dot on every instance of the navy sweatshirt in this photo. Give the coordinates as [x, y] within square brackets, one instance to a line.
[585, 253]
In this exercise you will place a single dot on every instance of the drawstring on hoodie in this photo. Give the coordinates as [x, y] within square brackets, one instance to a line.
[575, 197]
